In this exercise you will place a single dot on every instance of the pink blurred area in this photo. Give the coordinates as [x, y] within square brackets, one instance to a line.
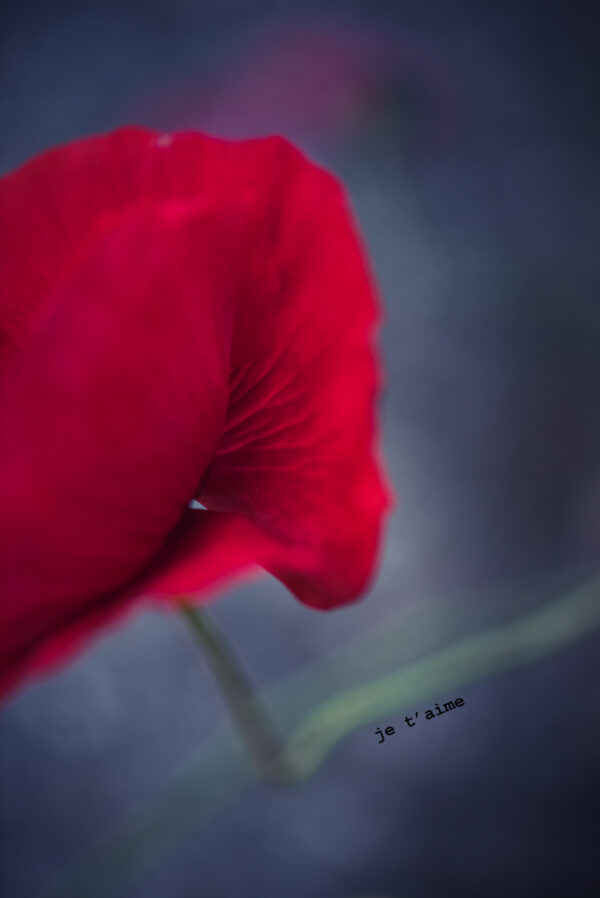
[314, 81]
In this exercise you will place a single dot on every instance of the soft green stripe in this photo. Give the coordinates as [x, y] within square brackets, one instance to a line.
[469, 660]
[219, 773]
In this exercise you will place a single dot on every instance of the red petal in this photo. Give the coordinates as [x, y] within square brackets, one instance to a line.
[298, 457]
[179, 317]
[110, 417]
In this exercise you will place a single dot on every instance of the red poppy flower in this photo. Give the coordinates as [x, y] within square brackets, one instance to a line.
[179, 317]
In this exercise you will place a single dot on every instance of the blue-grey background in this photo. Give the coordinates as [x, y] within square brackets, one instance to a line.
[468, 136]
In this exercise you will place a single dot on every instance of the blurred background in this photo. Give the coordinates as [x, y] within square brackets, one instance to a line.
[467, 134]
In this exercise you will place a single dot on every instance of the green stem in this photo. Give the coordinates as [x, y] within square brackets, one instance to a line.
[264, 745]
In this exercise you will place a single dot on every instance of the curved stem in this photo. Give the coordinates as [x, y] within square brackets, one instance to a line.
[264, 745]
